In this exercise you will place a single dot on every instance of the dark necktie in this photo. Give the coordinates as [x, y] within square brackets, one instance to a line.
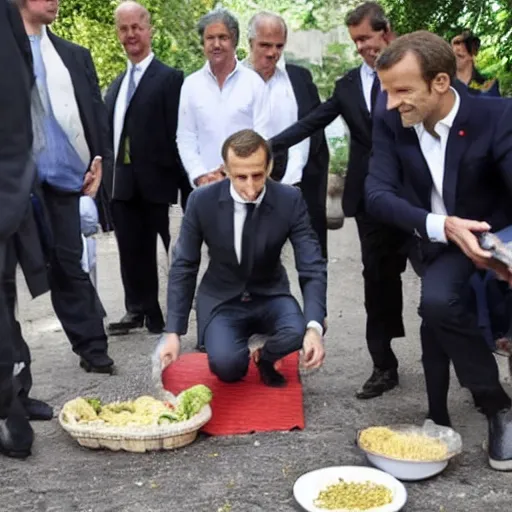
[375, 91]
[247, 240]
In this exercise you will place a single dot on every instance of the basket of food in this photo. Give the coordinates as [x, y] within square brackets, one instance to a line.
[409, 452]
[140, 425]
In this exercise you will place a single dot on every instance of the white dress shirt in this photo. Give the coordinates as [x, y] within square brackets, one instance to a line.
[240, 212]
[120, 108]
[367, 78]
[284, 111]
[208, 115]
[434, 151]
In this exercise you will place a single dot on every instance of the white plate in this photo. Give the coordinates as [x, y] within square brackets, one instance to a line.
[308, 486]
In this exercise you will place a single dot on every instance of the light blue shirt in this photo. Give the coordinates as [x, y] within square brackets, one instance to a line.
[58, 163]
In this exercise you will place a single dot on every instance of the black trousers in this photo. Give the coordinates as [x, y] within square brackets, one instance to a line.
[314, 191]
[450, 332]
[383, 264]
[73, 295]
[137, 224]
[227, 333]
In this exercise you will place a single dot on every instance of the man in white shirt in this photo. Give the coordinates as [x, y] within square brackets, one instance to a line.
[142, 106]
[218, 100]
[292, 95]
[441, 170]
[245, 221]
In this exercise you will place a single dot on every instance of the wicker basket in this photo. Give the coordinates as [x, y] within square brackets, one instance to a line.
[136, 439]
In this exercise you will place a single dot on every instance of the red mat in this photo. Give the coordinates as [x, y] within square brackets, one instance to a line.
[246, 406]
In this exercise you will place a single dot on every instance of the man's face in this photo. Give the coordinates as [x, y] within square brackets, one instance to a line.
[369, 43]
[267, 47]
[409, 93]
[463, 57]
[247, 174]
[43, 11]
[218, 44]
[134, 32]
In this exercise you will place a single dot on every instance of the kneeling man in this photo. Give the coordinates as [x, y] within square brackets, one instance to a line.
[245, 221]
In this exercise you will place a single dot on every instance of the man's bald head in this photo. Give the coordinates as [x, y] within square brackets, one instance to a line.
[133, 24]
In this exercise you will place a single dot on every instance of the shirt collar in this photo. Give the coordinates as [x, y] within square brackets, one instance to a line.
[143, 64]
[447, 121]
[238, 198]
[368, 70]
[280, 67]
[208, 68]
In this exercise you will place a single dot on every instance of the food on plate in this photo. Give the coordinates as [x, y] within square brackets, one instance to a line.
[143, 411]
[402, 445]
[354, 496]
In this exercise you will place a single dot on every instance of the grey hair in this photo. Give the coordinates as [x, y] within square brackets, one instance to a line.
[145, 15]
[223, 16]
[265, 16]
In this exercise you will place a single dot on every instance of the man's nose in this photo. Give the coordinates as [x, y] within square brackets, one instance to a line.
[393, 102]
[360, 45]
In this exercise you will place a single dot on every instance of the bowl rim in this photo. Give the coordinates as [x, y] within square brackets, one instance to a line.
[412, 461]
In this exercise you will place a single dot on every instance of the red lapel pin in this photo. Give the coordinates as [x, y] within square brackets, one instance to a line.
[462, 133]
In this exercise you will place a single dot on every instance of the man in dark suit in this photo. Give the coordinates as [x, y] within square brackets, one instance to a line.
[142, 106]
[292, 95]
[383, 263]
[245, 221]
[75, 131]
[441, 169]
[16, 178]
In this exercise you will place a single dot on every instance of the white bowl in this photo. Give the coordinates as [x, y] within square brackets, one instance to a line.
[412, 470]
[308, 486]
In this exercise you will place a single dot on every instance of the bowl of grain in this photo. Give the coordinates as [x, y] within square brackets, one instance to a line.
[410, 452]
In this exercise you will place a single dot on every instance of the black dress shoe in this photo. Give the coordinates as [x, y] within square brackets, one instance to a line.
[97, 363]
[440, 418]
[37, 410]
[379, 382]
[500, 440]
[126, 324]
[16, 437]
[270, 376]
[155, 323]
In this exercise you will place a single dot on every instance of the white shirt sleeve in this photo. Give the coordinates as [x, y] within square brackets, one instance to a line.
[297, 160]
[435, 228]
[261, 110]
[187, 136]
[313, 324]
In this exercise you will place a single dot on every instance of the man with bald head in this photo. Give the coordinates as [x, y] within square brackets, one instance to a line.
[292, 95]
[142, 106]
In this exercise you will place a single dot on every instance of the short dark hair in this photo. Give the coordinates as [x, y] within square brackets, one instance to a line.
[371, 11]
[220, 15]
[245, 143]
[434, 54]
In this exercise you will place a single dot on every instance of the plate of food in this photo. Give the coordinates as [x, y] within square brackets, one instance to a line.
[139, 425]
[349, 489]
[410, 452]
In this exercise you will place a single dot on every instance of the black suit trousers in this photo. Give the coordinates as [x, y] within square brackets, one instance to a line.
[450, 332]
[73, 295]
[138, 223]
[383, 264]
[227, 334]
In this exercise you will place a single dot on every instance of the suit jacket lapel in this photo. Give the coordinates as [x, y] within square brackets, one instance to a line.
[455, 149]
[263, 222]
[227, 220]
[297, 91]
[144, 84]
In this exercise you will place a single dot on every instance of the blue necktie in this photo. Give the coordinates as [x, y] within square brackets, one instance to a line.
[131, 85]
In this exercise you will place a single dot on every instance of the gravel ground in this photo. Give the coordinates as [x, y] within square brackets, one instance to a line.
[250, 473]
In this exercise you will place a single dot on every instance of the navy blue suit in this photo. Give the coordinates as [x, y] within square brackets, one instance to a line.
[477, 185]
[225, 321]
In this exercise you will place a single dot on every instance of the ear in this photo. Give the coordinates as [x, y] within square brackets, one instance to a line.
[441, 83]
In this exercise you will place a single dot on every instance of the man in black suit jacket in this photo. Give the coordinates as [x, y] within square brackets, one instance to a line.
[441, 169]
[16, 178]
[74, 123]
[245, 221]
[292, 95]
[383, 262]
[142, 106]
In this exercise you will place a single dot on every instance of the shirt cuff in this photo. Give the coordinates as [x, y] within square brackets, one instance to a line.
[313, 324]
[435, 228]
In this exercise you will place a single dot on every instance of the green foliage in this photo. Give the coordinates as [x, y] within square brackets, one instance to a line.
[339, 150]
[175, 40]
